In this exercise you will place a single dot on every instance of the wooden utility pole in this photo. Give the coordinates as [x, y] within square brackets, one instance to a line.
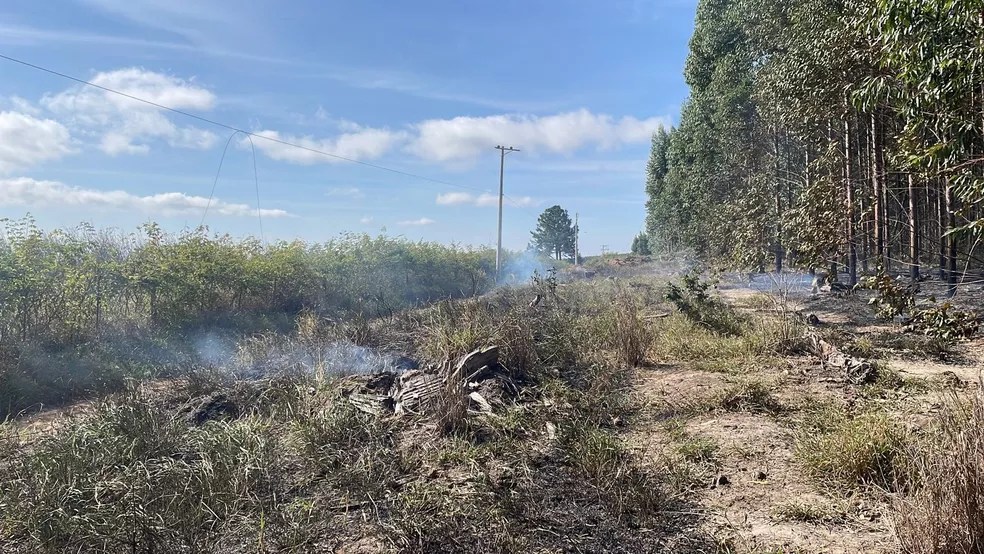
[503, 150]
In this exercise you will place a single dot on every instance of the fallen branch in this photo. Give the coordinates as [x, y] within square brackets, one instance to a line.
[855, 370]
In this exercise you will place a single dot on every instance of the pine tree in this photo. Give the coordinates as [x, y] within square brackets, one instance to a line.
[554, 233]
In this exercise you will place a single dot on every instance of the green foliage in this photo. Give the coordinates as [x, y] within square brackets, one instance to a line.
[945, 323]
[800, 115]
[694, 301]
[82, 310]
[554, 233]
[930, 53]
[640, 245]
[893, 298]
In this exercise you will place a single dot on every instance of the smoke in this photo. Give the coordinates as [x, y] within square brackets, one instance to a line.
[262, 356]
[519, 268]
[796, 282]
[215, 350]
[259, 358]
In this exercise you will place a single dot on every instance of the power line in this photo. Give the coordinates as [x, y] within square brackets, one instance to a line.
[234, 128]
[215, 181]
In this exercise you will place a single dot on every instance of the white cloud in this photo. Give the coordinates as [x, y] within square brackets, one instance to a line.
[361, 144]
[483, 200]
[26, 140]
[345, 192]
[464, 138]
[486, 200]
[126, 126]
[418, 222]
[24, 191]
[24, 106]
[366, 220]
[454, 198]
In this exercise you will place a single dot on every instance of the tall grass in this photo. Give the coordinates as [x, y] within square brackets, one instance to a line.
[944, 511]
[133, 477]
[82, 310]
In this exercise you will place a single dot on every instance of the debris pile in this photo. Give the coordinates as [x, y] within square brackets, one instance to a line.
[477, 379]
[856, 371]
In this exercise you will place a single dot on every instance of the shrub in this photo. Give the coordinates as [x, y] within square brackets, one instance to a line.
[945, 323]
[893, 297]
[693, 300]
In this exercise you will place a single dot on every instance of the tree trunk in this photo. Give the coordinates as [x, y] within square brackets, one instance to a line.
[98, 302]
[852, 254]
[941, 211]
[779, 251]
[878, 184]
[951, 242]
[913, 231]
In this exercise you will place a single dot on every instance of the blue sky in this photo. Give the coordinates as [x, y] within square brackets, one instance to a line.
[427, 88]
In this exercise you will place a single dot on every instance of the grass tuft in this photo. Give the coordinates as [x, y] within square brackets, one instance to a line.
[749, 396]
[839, 449]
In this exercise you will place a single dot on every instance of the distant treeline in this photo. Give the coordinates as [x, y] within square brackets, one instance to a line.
[71, 286]
[819, 132]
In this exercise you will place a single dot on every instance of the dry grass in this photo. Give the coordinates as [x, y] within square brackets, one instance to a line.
[748, 396]
[810, 512]
[944, 512]
[697, 449]
[844, 450]
[677, 339]
[294, 468]
[134, 478]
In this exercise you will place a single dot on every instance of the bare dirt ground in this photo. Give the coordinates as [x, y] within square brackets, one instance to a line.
[756, 496]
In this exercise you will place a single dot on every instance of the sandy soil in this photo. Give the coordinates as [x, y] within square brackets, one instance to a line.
[755, 452]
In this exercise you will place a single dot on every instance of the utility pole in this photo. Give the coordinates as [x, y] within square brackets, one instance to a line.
[503, 150]
[577, 239]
